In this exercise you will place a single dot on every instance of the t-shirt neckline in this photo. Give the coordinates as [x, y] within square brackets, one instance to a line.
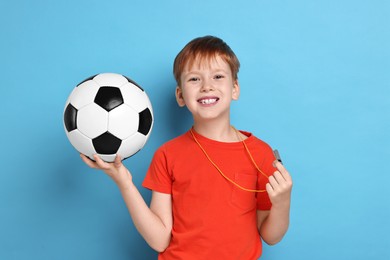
[207, 141]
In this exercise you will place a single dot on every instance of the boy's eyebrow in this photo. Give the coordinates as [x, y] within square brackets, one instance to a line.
[221, 70]
[199, 71]
[189, 73]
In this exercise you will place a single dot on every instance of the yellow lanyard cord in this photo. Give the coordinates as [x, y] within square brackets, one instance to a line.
[220, 171]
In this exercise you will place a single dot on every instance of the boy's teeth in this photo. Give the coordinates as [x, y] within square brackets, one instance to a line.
[208, 101]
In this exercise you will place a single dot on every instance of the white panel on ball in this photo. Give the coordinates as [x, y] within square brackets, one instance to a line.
[134, 96]
[92, 120]
[84, 94]
[132, 145]
[123, 121]
[110, 79]
[149, 104]
[107, 157]
[82, 143]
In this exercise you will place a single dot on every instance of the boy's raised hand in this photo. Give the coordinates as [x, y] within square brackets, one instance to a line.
[279, 186]
[116, 170]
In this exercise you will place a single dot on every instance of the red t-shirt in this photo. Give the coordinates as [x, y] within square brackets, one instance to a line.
[212, 218]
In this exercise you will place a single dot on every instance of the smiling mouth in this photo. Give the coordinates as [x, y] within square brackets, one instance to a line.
[208, 101]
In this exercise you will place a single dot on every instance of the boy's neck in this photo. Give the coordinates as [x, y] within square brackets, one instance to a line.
[222, 132]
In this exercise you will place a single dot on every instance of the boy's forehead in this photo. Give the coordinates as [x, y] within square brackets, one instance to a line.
[206, 62]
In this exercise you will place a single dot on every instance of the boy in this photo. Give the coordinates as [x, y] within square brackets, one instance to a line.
[216, 190]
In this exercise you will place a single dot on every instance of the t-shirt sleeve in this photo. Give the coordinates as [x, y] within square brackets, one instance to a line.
[158, 177]
[263, 201]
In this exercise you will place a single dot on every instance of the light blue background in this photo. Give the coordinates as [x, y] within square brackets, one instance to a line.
[315, 83]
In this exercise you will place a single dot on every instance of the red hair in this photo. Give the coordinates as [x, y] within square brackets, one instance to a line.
[204, 49]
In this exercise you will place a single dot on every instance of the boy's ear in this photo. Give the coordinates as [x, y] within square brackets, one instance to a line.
[236, 90]
[179, 97]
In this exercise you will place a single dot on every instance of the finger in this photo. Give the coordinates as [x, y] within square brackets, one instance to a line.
[100, 163]
[273, 182]
[278, 165]
[279, 177]
[88, 161]
[269, 189]
[118, 161]
[282, 170]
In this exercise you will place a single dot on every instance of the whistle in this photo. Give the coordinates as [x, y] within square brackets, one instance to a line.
[277, 156]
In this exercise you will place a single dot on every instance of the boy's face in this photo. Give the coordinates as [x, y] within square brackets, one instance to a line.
[207, 89]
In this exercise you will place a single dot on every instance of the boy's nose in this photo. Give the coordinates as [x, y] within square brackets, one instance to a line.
[207, 86]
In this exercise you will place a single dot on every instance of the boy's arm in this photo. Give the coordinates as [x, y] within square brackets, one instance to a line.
[154, 223]
[273, 224]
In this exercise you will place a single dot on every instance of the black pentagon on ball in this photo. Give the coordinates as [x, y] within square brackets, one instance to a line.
[90, 78]
[109, 98]
[106, 143]
[133, 82]
[70, 118]
[145, 121]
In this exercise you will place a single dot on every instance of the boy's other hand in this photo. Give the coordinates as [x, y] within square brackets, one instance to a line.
[279, 186]
[116, 170]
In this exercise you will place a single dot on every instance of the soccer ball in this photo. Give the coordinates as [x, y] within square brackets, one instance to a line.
[108, 114]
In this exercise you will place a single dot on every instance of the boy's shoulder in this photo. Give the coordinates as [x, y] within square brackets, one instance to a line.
[251, 138]
[178, 140]
[176, 143]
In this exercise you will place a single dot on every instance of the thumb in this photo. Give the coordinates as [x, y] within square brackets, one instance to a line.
[118, 161]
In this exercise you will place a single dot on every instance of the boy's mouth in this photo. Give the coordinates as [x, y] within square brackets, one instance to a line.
[208, 100]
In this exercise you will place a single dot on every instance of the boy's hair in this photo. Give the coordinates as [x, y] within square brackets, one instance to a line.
[205, 48]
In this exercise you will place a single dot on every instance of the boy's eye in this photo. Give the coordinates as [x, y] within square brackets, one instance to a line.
[218, 76]
[193, 79]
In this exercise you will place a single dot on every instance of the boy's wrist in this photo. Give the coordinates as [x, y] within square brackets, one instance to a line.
[281, 206]
[125, 186]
